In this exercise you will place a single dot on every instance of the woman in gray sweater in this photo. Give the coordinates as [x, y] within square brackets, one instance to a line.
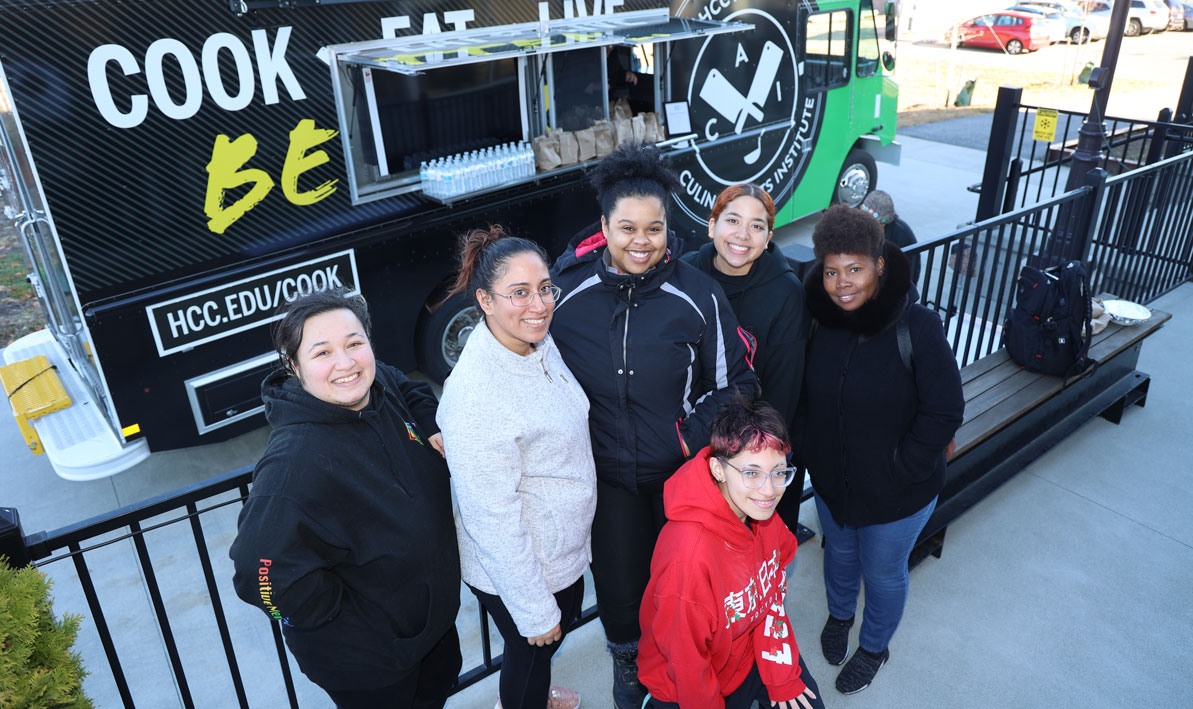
[515, 431]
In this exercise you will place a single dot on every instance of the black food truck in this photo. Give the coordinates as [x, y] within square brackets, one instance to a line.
[180, 168]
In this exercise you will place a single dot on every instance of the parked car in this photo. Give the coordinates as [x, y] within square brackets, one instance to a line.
[1188, 7]
[1053, 20]
[1176, 14]
[1012, 32]
[1081, 25]
[1146, 16]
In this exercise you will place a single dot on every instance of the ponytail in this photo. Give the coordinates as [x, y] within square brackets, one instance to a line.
[484, 254]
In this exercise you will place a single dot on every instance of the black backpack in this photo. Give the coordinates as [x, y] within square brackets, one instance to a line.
[1048, 330]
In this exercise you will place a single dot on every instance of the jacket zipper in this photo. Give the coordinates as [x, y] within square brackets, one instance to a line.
[625, 334]
[543, 364]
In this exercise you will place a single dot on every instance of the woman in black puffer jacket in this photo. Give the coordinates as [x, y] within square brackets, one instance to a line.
[873, 430]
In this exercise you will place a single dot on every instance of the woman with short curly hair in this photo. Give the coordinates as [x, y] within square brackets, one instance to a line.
[657, 350]
[873, 431]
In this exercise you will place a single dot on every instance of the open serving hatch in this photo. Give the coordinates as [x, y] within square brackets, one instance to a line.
[410, 99]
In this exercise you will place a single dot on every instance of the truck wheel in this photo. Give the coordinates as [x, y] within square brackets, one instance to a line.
[859, 177]
[1134, 28]
[443, 334]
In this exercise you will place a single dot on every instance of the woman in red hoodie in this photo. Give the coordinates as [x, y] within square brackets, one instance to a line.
[714, 627]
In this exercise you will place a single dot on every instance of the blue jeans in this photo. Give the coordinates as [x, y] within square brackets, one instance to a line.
[878, 553]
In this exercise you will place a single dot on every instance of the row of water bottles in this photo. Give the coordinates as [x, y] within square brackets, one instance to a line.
[468, 172]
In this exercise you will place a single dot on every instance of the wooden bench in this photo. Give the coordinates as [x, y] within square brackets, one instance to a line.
[1013, 416]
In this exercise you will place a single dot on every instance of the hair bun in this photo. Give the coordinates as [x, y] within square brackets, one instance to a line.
[630, 162]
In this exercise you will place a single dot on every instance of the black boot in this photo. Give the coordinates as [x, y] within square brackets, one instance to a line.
[628, 692]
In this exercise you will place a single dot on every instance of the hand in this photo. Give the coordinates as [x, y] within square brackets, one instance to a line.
[436, 442]
[800, 702]
[950, 448]
[631, 78]
[551, 636]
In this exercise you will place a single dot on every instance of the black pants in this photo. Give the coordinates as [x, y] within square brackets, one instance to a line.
[624, 532]
[525, 668]
[753, 690]
[423, 687]
[789, 505]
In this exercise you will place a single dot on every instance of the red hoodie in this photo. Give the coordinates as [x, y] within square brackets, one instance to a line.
[714, 604]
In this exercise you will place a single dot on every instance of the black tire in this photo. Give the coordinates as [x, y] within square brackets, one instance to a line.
[1134, 28]
[442, 335]
[1079, 35]
[1014, 46]
[858, 178]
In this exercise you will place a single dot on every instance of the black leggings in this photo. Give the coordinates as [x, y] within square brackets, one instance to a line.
[525, 668]
[423, 687]
[624, 531]
[752, 690]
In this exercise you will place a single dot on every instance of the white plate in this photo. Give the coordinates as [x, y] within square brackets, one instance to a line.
[1124, 312]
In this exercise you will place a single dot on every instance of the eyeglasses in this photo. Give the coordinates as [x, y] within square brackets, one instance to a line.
[754, 479]
[523, 297]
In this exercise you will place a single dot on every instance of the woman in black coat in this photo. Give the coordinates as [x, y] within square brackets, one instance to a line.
[656, 348]
[874, 430]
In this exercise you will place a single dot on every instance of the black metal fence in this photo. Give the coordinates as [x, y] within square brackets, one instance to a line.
[236, 625]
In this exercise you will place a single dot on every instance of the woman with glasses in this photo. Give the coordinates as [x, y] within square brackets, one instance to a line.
[714, 626]
[767, 298]
[874, 430]
[657, 349]
[515, 430]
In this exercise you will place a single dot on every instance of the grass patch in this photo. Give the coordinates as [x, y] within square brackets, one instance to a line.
[19, 312]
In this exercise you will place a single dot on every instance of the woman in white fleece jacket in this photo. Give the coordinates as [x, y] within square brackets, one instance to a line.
[515, 431]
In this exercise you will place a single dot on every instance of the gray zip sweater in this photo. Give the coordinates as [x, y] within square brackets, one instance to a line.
[515, 430]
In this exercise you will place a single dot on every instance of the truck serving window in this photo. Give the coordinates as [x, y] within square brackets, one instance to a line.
[826, 50]
[426, 110]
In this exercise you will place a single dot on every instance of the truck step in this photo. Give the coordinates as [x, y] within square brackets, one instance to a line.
[78, 440]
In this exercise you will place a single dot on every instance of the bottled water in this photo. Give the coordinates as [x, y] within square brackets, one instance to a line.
[454, 175]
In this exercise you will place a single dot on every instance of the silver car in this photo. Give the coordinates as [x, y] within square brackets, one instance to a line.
[1080, 25]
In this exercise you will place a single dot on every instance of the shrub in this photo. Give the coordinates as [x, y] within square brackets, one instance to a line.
[38, 670]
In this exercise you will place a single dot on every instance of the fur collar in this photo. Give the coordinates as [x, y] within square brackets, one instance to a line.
[876, 314]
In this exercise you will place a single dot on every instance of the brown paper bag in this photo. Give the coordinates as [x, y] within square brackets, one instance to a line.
[569, 149]
[623, 131]
[639, 126]
[546, 152]
[654, 132]
[602, 130]
[621, 109]
[586, 144]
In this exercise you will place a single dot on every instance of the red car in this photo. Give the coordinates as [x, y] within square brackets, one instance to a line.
[1009, 30]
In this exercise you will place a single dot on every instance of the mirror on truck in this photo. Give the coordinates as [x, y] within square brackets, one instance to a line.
[892, 22]
[888, 61]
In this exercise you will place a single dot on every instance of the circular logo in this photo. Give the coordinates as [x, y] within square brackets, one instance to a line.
[751, 123]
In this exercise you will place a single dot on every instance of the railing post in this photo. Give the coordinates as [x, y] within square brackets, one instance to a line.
[12, 538]
[1184, 110]
[998, 152]
[1159, 137]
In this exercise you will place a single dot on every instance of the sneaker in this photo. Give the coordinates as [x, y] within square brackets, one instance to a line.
[558, 698]
[860, 671]
[563, 698]
[834, 640]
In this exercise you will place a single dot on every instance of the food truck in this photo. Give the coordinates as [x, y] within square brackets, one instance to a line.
[183, 167]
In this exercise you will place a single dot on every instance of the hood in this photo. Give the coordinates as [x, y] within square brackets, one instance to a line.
[587, 247]
[770, 266]
[690, 495]
[288, 404]
[895, 295]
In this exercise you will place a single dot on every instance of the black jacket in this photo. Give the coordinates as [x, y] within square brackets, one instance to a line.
[769, 304]
[347, 536]
[657, 353]
[899, 233]
[873, 434]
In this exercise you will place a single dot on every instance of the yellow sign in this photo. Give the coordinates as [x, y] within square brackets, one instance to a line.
[1045, 128]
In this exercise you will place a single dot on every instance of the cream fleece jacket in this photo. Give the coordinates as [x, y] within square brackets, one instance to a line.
[515, 430]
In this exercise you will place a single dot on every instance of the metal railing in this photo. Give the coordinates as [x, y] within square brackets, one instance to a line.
[190, 507]
[969, 276]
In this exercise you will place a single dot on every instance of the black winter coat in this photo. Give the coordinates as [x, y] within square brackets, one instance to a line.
[347, 537]
[873, 434]
[769, 304]
[657, 354]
